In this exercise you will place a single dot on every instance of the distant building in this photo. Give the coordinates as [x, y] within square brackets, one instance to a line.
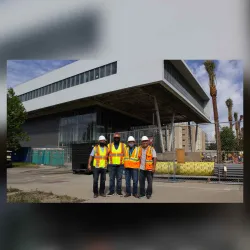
[185, 137]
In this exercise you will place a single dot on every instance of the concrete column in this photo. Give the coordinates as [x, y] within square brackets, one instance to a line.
[196, 136]
[190, 136]
[171, 139]
[159, 124]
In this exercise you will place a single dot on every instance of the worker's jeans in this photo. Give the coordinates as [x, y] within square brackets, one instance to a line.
[115, 172]
[131, 173]
[143, 176]
[96, 173]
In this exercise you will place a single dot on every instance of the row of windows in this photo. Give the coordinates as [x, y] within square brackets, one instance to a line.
[100, 72]
[175, 78]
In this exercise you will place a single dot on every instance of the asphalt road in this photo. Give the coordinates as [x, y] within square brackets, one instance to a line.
[62, 181]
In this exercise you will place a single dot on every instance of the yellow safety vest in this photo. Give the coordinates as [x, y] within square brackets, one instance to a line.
[101, 157]
[116, 156]
[132, 161]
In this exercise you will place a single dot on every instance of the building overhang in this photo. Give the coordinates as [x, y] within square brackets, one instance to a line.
[136, 102]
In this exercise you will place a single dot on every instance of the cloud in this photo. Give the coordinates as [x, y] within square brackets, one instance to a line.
[229, 75]
[20, 71]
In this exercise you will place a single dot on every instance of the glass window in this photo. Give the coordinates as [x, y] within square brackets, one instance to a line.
[82, 78]
[42, 91]
[77, 79]
[114, 68]
[60, 84]
[97, 73]
[86, 76]
[102, 73]
[92, 73]
[64, 84]
[73, 82]
[56, 86]
[38, 92]
[68, 82]
[45, 90]
[108, 69]
[49, 89]
[52, 87]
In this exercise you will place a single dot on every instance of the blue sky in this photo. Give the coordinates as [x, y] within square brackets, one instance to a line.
[229, 76]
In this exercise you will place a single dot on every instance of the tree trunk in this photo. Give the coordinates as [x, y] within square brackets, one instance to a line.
[217, 128]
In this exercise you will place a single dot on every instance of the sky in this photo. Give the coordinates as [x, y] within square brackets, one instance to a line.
[229, 75]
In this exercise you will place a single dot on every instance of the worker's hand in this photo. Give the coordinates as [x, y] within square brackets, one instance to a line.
[153, 170]
[89, 167]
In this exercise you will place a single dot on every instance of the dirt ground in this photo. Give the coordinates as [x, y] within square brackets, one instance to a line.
[61, 182]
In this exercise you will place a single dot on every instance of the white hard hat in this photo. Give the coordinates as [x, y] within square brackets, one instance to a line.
[131, 138]
[144, 138]
[102, 138]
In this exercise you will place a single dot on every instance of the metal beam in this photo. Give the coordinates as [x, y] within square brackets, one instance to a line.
[121, 111]
[171, 134]
[196, 136]
[190, 136]
[159, 124]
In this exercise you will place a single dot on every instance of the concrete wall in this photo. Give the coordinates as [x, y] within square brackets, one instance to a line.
[129, 73]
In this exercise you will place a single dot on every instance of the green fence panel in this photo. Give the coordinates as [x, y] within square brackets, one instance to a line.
[47, 157]
[35, 156]
[41, 156]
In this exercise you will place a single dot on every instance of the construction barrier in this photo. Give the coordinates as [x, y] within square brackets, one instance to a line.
[188, 168]
[48, 156]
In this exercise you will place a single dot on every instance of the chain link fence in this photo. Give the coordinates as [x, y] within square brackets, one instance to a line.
[186, 152]
[195, 152]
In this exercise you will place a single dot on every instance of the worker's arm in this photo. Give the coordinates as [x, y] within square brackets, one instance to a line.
[91, 158]
[154, 160]
[89, 163]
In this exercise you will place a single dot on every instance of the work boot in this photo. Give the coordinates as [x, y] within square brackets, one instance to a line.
[110, 194]
[119, 193]
[148, 196]
[141, 196]
[103, 195]
[136, 196]
[127, 195]
[95, 195]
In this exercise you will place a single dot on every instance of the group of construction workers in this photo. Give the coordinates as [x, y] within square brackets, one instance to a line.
[139, 163]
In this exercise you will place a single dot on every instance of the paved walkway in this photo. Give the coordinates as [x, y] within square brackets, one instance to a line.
[61, 181]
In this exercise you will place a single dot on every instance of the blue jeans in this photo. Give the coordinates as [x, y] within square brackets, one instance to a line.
[131, 173]
[96, 173]
[143, 176]
[115, 172]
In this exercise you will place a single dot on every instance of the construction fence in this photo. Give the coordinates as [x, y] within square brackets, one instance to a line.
[184, 152]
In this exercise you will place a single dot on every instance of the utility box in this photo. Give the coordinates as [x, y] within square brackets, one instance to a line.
[80, 157]
[180, 155]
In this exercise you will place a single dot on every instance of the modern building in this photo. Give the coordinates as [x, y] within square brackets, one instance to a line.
[80, 101]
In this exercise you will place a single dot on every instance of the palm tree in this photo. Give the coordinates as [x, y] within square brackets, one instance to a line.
[236, 125]
[239, 128]
[229, 103]
[210, 68]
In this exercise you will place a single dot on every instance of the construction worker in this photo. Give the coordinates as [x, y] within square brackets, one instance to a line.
[147, 167]
[100, 155]
[116, 165]
[132, 165]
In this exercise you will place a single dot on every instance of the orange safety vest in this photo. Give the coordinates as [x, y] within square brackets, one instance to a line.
[116, 156]
[101, 157]
[149, 157]
[132, 161]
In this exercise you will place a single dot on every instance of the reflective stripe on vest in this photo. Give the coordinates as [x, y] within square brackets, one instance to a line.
[101, 157]
[133, 161]
[116, 156]
[149, 158]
